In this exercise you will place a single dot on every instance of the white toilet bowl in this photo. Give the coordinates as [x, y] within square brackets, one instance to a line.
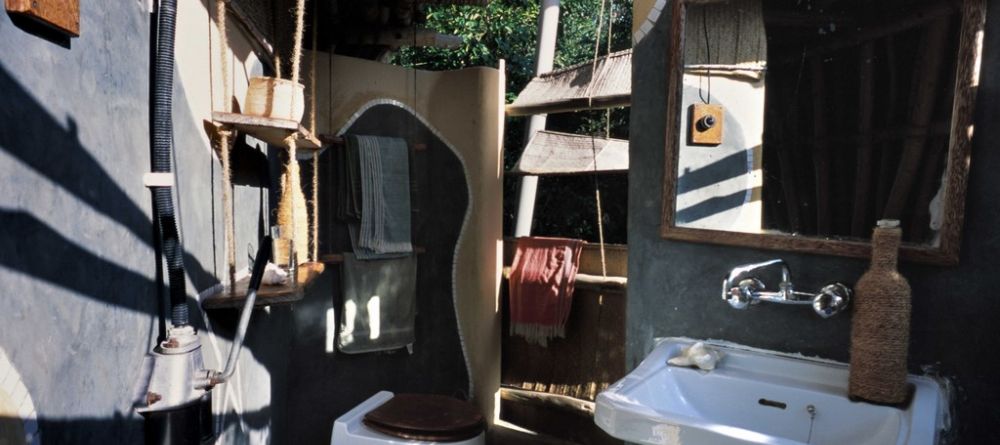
[349, 428]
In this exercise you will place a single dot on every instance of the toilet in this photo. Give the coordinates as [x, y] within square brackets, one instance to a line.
[410, 419]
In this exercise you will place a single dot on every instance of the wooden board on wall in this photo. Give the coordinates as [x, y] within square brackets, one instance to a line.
[591, 357]
[63, 15]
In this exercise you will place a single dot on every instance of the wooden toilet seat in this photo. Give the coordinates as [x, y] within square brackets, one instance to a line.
[426, 417]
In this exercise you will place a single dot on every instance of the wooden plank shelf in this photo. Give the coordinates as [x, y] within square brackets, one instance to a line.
[550, 400]
[338, 141]
[551, 153]
[266, 295]
[337, 258]
[270, 130]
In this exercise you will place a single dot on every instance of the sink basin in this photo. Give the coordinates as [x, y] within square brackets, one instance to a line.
[759, 397]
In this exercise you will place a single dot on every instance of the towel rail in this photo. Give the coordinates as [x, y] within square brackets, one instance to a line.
[591, 282]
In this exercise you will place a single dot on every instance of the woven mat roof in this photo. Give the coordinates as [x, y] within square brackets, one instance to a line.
[554, 153]
[569, 89]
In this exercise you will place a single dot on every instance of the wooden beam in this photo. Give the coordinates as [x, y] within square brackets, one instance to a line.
[571, 105]
[409, 36]
[243, 19]
[598, 282]
[821, 151]
[785, 126]
[811, 19]
[892, 110]
[920, 17]
[863, 161]
[548, 400]
[926, 82]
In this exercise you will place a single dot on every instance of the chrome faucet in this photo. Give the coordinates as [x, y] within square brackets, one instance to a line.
[829, 301]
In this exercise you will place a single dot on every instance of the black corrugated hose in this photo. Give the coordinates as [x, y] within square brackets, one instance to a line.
[162, 108]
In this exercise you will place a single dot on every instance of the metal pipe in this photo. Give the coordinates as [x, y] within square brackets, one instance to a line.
[545, 53]
[161, 109]
[256, 276]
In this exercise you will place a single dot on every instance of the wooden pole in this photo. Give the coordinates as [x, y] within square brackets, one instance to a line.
[862, 178]
[925, 87]
[886, 158]
[821, 150]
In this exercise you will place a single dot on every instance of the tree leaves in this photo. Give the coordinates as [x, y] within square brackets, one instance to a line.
[508, 29]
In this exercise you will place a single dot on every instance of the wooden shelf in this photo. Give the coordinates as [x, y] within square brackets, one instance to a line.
[270, 130]
[266, 295]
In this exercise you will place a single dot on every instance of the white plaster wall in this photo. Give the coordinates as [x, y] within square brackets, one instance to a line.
[466, 108]
[743, 102]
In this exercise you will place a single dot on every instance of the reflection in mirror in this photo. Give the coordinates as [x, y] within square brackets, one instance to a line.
[816, 117]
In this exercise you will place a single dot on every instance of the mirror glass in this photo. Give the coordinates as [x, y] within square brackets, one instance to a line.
[816, 118]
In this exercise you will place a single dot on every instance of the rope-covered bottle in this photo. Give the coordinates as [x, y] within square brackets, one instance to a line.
[880, 333]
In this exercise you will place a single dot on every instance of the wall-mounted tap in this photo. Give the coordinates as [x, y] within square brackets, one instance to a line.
[742, 293]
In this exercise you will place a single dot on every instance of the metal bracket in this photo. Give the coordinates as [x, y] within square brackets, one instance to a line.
[152, 179]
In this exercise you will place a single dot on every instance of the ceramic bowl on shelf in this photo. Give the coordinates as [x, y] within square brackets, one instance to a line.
[275, 98]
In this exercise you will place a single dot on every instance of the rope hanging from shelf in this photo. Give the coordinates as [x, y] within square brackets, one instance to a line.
[314, 222]
[292, 213]
[224, 150]
[593, 141]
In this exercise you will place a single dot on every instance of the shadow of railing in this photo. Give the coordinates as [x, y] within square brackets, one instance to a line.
[29, 133]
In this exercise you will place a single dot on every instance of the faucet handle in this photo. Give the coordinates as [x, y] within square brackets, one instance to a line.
[831, 299]
[744, 294]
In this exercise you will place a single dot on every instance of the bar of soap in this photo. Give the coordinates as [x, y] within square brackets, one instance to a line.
[274, 275]
[697, 355]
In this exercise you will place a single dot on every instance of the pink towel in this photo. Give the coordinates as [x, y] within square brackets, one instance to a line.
[541, 287]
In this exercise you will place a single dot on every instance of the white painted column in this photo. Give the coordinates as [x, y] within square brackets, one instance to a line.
[548, 24]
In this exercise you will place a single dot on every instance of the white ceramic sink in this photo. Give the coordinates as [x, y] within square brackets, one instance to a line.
[759, 397]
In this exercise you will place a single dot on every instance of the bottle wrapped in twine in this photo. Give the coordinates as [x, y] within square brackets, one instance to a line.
[880, 333]
[293, 220]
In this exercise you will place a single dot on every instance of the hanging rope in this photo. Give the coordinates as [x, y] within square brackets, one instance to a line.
[292, 213]
[607, 112]
[229, 229]
[708, 57]
[314, 221]
[593, 139]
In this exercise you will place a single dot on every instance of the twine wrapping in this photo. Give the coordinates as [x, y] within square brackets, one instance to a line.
[593, 143]
[314, 221]
[292, 214]
[229, 229]
[314, 229]
[292, 209]
[880, 333]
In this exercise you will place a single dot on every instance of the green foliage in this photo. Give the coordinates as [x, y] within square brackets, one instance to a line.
[502, 30]
[508, 29]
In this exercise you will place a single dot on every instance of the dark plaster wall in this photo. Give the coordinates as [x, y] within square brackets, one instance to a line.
[77, 294]
[79, 303]
[673, 286]
[324, 385]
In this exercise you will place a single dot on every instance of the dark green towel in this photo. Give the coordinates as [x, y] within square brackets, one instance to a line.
[348, 181]
[384, 229]
[380, 304]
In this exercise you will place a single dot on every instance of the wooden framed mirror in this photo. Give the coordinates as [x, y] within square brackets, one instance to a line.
[796, 125]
